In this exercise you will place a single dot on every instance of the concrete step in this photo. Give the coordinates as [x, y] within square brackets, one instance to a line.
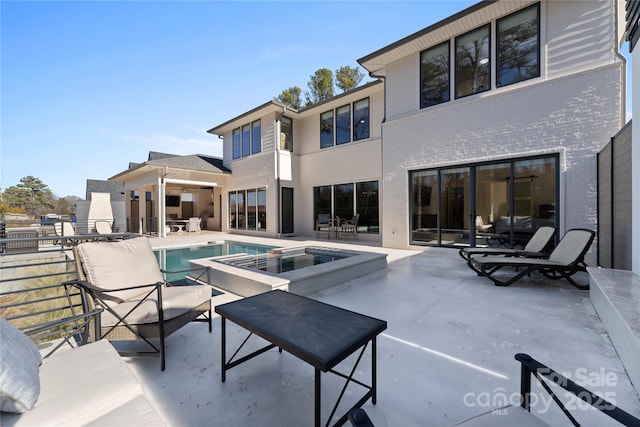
[615, 294]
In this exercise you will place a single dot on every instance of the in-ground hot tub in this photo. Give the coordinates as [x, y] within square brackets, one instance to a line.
[301, 270]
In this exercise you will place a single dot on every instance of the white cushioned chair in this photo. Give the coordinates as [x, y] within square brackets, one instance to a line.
[194, 224]
[124, 278]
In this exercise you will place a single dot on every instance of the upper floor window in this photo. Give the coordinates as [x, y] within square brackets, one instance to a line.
[326, 129]
[473, 64]
[517, 58]
[247, 140]
[256, 137]
[286, 133]
[237, 151]
[518, 46]
[345, 124]
[361, 119]
[434, 75]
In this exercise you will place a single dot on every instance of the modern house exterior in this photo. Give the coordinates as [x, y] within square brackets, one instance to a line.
[484, 125]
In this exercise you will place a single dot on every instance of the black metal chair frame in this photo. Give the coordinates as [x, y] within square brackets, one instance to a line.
[550, 271]
[530, 366]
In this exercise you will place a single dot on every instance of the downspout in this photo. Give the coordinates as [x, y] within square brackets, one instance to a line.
[278, 190]
[384, 119]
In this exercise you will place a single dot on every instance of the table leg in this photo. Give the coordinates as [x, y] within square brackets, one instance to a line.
[317, 398]
[223, 349]
[374, 376]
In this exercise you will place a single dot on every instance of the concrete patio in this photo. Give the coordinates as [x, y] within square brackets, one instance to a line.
[446, 356]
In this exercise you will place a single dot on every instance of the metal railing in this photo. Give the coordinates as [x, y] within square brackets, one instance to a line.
[32, 270]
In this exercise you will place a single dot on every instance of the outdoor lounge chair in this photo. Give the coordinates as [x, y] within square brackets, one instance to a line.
[565, 260]
[535, 248]
[103, 227]
[123, 277]
[65, 229]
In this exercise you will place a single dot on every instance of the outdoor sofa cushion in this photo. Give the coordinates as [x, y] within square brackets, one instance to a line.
[176, 301]
[19, 364]
[139, 266]
[90, 384]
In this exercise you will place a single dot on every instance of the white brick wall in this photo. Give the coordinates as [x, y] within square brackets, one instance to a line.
[574, 116]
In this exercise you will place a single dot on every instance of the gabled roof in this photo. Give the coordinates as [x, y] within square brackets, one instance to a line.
[192, 163]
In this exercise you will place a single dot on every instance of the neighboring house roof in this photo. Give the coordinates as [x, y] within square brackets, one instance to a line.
[115, 189]
[467, 19]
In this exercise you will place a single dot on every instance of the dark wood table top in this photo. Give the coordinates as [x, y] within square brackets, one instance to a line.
[320, 334]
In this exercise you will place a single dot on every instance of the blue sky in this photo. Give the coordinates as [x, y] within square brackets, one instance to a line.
[89, 86]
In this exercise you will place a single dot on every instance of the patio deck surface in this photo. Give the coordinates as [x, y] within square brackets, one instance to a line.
[447, 355]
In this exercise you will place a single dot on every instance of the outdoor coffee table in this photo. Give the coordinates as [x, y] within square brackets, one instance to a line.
[320, 334]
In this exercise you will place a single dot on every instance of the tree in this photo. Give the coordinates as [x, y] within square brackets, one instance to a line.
[291, 97]
[348, 78]
[320, 86]
[32, 194]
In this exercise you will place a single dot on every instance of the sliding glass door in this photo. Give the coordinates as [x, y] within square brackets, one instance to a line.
[500, 203]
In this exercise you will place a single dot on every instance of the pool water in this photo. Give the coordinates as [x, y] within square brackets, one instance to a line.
[177, 259]
[282, 263]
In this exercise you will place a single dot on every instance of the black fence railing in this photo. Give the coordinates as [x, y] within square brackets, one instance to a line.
[32, 269]
[530, 366]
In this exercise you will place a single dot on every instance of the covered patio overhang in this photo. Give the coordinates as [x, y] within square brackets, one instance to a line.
[151, 184]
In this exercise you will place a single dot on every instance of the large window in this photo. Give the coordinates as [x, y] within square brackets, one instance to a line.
[498, 203]
[518, 46]
[247, 140]
[473, 62]
[345, 124]
[348, 199]
[434, 75]
[248, 209]
[517, 58]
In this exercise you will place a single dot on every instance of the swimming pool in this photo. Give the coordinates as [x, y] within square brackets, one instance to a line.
[177, 259]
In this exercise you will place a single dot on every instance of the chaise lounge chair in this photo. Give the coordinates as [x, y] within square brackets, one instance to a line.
[123, 277]
[64, 229]
[535, 248]
[565, 260]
